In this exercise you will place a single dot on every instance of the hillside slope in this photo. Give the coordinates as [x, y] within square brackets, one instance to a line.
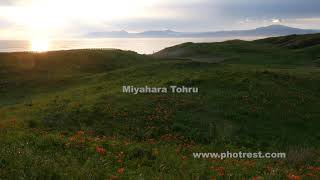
[280, 50]
[64, 115]
[22, 74]
[294, 41]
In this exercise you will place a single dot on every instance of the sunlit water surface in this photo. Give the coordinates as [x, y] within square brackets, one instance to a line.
[140, 45]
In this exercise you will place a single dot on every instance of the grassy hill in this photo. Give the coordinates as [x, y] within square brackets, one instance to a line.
[63, 114]
[294, 41]
[287, 50]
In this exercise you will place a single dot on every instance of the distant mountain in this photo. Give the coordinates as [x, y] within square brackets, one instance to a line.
[273, 30]
[109, 34]
[280, 30]
[124, 34]
[165, 33]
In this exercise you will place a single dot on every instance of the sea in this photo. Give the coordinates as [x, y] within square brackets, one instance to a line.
[139, 45]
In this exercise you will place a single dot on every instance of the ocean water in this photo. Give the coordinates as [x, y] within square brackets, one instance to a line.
[140, 45]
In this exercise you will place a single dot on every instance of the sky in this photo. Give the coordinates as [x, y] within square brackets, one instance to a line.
[30, 19]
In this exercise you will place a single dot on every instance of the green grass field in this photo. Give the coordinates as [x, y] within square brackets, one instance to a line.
[63, 114]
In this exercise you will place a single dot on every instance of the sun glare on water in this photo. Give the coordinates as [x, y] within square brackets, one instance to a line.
[40, 45]
[43, 19]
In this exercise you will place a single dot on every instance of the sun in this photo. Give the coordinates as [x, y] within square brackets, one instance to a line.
[40, 45]
[58, 19]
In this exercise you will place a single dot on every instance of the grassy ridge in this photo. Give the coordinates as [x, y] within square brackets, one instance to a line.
[287, 50]
[63, 114]
[294, 41]
[28, 74]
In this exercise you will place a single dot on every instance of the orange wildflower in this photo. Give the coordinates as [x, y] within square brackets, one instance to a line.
[184, 158]
[310, 175]
[255, 178]
[220, 170]
[101, 150]
[294, 177]
[72, 138]
[121, 171]
[315, 169]
[80, 133]
[152, 141]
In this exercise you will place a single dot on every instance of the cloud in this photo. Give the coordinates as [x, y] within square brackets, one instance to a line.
[276, 20]
[180, 15]
[6, 2]
[205, 15]
[271, 8]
